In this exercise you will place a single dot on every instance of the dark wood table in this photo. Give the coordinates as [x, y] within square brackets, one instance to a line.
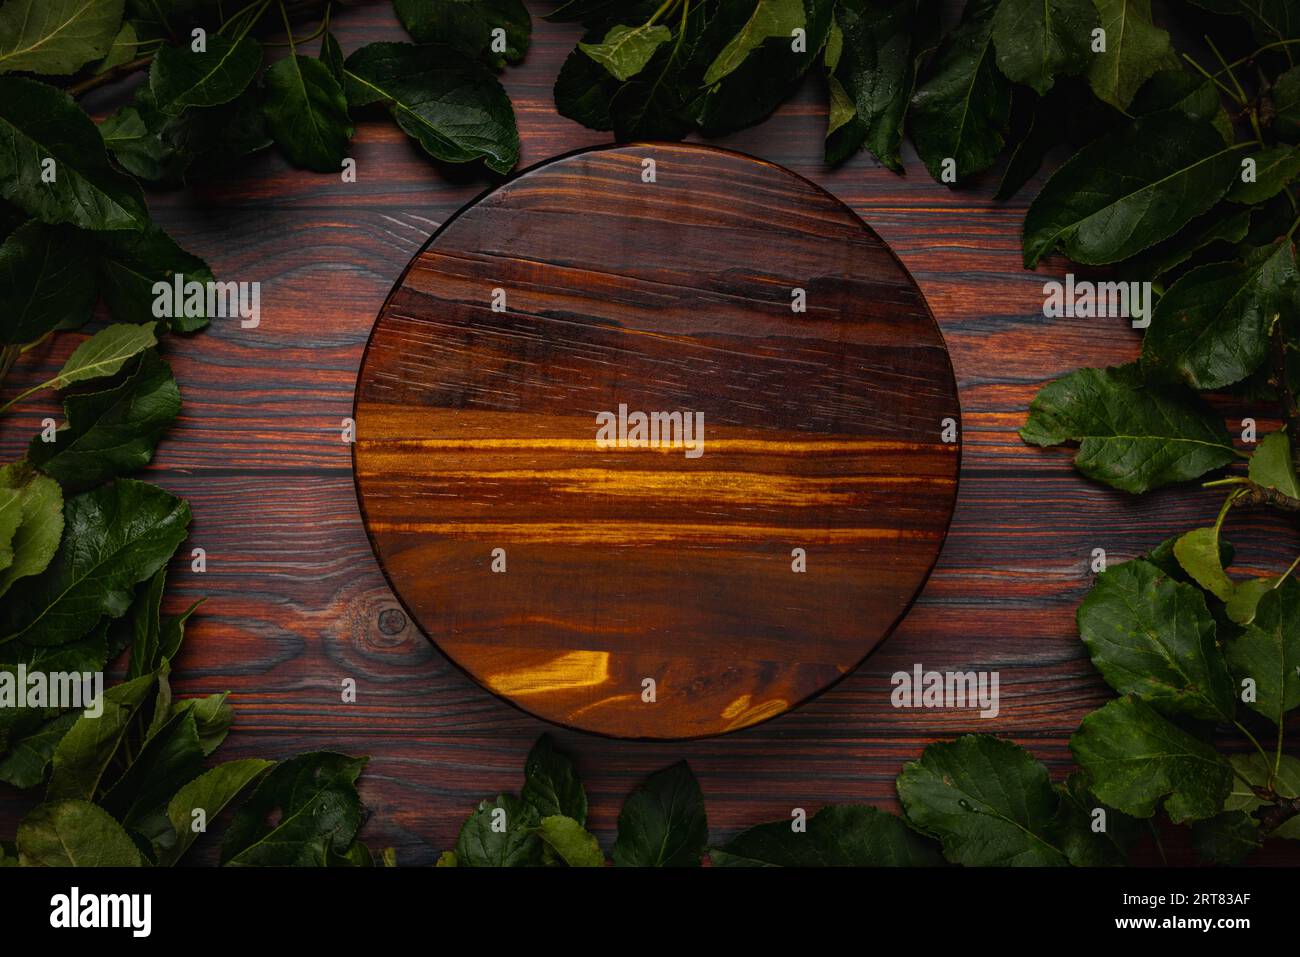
[296, 602]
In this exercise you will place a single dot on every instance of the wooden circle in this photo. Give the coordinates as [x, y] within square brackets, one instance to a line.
[566, 568]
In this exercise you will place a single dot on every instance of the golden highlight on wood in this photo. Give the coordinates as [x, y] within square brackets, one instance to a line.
[656, 459]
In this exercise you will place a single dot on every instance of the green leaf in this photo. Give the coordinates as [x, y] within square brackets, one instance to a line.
[116, 535]
[164, 148]
[104, 353]
[1269, 652]
[131, 263]
[467, 25]
[764, 79]
[962, 110]
[319, 813]
[1129, 190]
[1041, 133]
[166, 16]
[213, 717]
[1286, 105]
[840, 110]
[180, 78]
[500, 833]
[453, 107]
[1198, 552]
[74, 834]
[551, 784]
[112, 432]
[626, 50]
[583, 11]
[170, 759]
[1223, 224]
[1271, 465]
[139, 628]
[1243, 604]
[1133, 758]
[56, 37]
[121, 50]
[574, 844]
[653, 105]
[662, 823]
[1274, 168]
[44, 282]
[1039, 40]
[210, 792]
[1270, 20]
[332, 56]
[357, 855]
[1091, 834]
[11, 513]
[987, 800]
[1132, 435]
[1257, 772]
[39, 123]
[843, 835]
[873, 76]
[1135, 49]
[88, 654]
[1226, 838]
[82, 756]
[133, 135]
[583, 91]
[307, 113]
[1211, 328]
[771, 20]
[33, 513]
[24, 766]
[1188, 93]
[1152, 636]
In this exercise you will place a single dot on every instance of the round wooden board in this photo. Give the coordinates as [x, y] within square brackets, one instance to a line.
[564, 564]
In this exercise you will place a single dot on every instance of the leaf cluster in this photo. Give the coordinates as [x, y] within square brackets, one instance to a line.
[84, 549]
[977, 801]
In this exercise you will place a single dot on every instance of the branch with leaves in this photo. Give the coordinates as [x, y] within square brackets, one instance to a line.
[84, 550]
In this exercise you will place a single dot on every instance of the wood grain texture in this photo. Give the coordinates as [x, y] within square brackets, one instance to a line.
[563, 558]
[297, 601]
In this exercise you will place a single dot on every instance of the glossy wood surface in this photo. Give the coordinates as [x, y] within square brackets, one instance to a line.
[648, 585]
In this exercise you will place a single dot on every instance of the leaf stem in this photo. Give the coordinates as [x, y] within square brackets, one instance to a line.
[252, 20]
[1231, 480]
[1244, 730]
[1282, 381]
[47, 384]
[324, 25]
[108, 76]
[1155, 835]
[7, 357]
[1223, 510]
[1210, 76]
[288, 29]
[1241, 94]
[663, 8]
[1268, 46]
